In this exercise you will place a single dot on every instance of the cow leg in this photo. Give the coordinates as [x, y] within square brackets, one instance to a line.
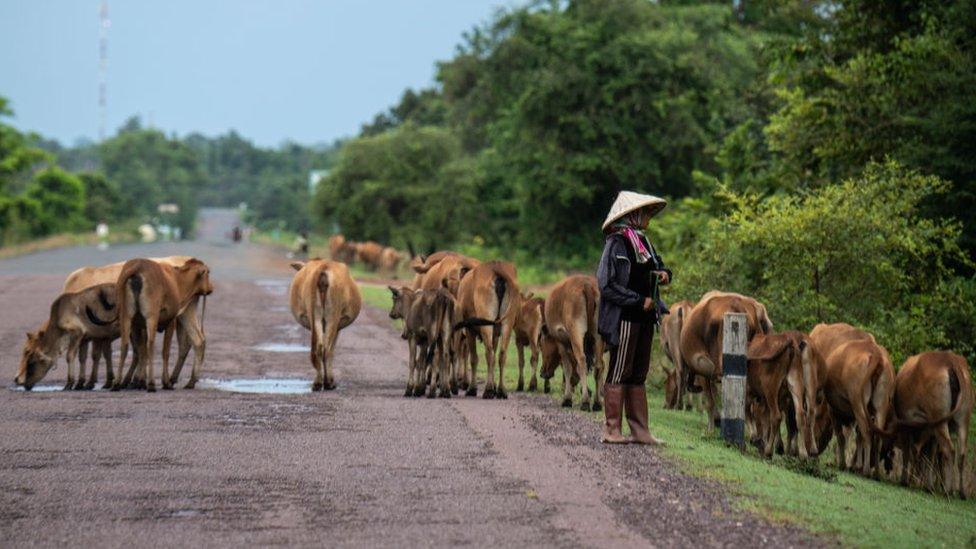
[445, 368]
[946, 451]
[472, 370]
[520, 351]
[183, 349]
[328, 346]
[905, 445]
[801, 423]
[501, 347]
[199, 343]
[579, 362]
[841, 447]
[72, 357]
[151, 325]
[773, 433]
[411, 360]
[96, 352]
[710, 407]
[534, 364]
[167, 343]
[962, 433]
[487, 336]
[82, 359]
[566, 359]
[420, 373]
[106, 348]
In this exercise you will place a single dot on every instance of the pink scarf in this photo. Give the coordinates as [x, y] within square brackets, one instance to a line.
[627, 226]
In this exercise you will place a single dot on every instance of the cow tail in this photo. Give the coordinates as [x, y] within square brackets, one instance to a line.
[107, 306]
[322, 289]
[500, 287]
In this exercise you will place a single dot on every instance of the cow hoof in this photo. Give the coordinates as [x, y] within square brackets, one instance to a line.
[108, 385]
[330, 386]
[80, 386]
[444, 394]
[68, 386]
[89, 386]
[454, 390]
[317, 386]
[533, 386]
[418, 392]
[568, 403]
[431, 393]
[167, 387]
[489, 393]
[116, 387]
[585, 406]
[499, 393]
[190, 384]
[546, 387]
[597, 407]
[471, 392]
[519, 387]
[408, 393]
[150, 388]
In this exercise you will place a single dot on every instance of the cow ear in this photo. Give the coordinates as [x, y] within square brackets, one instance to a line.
[394, 291]
[297, 265]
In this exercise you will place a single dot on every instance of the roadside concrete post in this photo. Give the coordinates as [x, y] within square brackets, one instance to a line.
[734, 337]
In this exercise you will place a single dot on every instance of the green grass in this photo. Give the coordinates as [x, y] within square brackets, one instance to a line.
[849, 508]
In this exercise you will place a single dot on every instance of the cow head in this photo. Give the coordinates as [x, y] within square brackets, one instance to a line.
[550, 355]
[670, 389]
[35, 361]
[198, 274]
[402, 298]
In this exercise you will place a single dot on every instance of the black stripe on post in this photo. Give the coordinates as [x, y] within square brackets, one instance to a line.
[734, 338]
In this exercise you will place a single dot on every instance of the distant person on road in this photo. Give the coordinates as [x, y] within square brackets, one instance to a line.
[301, 244]
[629, 274]
[101, 231]
[236, 235]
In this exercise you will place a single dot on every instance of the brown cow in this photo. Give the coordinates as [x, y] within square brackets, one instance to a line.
[488, 303]
[701, 339]
[430, 324]
[447, 271]
[782, 372]
[151, 296]
[934, 395]
[389, 260]
[826, 338]
[670, 335]
[339, 248]
[571, 311]
[75, 317]
[528, 331]
[189, 330]
[859, 386]
[369, 254]
[324, 299]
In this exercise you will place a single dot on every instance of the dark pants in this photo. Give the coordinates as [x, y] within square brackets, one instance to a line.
[630, 361]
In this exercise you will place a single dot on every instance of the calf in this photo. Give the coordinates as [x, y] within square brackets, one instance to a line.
[782, 371]
[151, 296]
[488, 300]
[403, 301]
[324, 299]
[859, 386]
[933, 396]
[75, 317]
[701, 340]
[528, 331]
[670, 335]
[571, 311]
[389, 260]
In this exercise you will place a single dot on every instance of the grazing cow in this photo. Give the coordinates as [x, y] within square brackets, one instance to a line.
[782, 374]
[369, 254]
[701, 340]
[859, 386]
[324, 299]
[933, 396]
[74, 317]
[528, 331]
[670, 335]
[488, 303]
[389, 260]
[571, 311]
[189, 330]
[152, 296]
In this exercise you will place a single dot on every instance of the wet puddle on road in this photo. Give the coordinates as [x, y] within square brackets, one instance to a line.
[282, 348]
[40, 388]
[269, 386]
[273, 287]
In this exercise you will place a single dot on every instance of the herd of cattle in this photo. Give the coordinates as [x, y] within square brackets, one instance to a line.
[835, 382]
[375, 256]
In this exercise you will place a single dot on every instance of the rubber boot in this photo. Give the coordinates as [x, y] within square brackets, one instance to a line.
[635, 400]
[613, 403]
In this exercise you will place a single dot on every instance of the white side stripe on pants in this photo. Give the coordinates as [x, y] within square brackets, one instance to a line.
[625, 329]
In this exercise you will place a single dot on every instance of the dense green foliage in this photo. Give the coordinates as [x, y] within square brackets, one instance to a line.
[819, 155]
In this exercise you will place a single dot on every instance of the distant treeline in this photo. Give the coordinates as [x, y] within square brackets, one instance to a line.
[820, 156]
[47, 188]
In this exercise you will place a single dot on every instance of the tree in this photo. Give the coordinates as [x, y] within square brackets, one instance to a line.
[61, 201]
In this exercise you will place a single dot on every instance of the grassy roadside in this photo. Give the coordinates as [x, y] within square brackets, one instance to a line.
[852, 509]
[121, 233]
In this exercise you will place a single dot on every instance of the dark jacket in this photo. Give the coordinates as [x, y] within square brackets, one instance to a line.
[612, 276]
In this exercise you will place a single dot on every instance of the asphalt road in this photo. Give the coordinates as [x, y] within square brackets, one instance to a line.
[358, 466]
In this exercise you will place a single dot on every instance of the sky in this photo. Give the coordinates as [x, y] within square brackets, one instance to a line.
[274, 70]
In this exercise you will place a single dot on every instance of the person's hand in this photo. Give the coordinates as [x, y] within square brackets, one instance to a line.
[662, 277]
[648, 303]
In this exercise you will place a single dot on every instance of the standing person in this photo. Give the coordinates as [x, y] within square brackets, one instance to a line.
[101, 230]
[629, 274]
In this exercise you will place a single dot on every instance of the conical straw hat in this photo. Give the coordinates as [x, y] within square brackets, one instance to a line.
[628, 201]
